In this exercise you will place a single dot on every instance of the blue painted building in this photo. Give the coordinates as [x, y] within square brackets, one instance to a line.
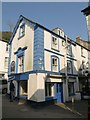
[42, 63]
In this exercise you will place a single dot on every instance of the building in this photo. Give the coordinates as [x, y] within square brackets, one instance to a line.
[86, 12]
[43, 63]
[4, 54]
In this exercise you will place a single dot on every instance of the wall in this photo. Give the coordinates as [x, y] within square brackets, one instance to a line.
[36, 87]
[3, 54]
[26, 40]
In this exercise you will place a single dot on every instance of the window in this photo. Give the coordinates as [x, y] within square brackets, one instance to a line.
[49, 89]
[69, 49]
[54, 64]
[63, 43]
[21, 64]
[71, 88]
[55, 43]
[81, 51]
[6, 62]
[22, 30]
[7, 47]
[69, 66]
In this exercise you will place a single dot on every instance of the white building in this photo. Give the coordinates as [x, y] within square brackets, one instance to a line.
[42, 63]
[4, 54]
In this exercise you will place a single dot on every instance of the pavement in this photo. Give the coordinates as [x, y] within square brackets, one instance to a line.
[28, 109]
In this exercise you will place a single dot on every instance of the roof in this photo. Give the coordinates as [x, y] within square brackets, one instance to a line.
[86, 11]
[5, 36]
[35, 23]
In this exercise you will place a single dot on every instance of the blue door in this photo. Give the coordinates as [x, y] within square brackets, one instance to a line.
[59, 92]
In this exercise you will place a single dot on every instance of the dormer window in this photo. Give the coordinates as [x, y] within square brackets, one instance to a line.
[55, 43]
[22, 30]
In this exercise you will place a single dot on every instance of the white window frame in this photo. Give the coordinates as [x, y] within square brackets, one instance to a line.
[55, 64]
[22, 30]
[6, 62]
[69, 67]
[55, 43]
[49, 88]
[21, 64]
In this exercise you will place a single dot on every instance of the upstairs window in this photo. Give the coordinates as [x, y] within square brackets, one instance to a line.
[7, 47]
[55, 43]
[55, 64]
[21, 64]
[69, 67]
[22, 30]
[69, 49]
[63, 43]
[81, 51]
[6, 62]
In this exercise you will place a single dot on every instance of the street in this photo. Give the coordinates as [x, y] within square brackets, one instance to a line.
[22, 109]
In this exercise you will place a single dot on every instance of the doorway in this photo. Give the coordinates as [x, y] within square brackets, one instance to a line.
[59, 92]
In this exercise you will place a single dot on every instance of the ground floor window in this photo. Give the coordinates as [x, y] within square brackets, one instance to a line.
[71, 88]
[23, 88]
[49, 89]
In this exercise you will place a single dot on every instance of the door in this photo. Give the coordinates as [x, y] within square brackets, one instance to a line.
[59, 92]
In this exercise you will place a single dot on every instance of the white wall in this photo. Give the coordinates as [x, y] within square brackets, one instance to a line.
[36, 87]
[3, 54]
[26, 40]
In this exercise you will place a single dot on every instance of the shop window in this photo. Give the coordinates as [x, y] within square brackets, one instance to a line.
[49, 89]
[71, 88]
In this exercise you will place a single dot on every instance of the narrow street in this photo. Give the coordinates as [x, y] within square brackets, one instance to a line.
[22, 109]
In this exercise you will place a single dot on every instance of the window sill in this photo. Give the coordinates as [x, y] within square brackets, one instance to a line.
[55, 49]
[83, 56]
[21, 36]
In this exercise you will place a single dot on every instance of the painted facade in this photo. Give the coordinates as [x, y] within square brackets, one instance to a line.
[43, 63]
[4, 54]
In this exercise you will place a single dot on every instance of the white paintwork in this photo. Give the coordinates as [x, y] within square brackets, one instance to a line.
[3, 54]
[26, 40]
[36, 87]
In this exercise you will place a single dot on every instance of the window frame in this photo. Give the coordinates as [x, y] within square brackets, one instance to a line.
[57, 43]
[20, 65]
[57, 63]
[21, 33]
[71, 69]
[72, 92]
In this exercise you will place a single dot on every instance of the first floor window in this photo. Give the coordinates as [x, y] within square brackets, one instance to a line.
[55, 43]
[71, 88]
[6, 62]
[69, 66]
[21, 63]
[54, 64]
[49, 89]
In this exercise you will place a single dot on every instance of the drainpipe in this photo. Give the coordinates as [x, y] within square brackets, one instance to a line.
[66, 81]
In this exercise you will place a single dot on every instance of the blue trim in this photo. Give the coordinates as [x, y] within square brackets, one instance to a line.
[49, 98]
[20, 52]
[38, 48]
[17, 77]
[54, 52]
[53, 56]
[72, 58]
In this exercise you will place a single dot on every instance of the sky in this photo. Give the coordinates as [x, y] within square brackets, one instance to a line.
[65, 15]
